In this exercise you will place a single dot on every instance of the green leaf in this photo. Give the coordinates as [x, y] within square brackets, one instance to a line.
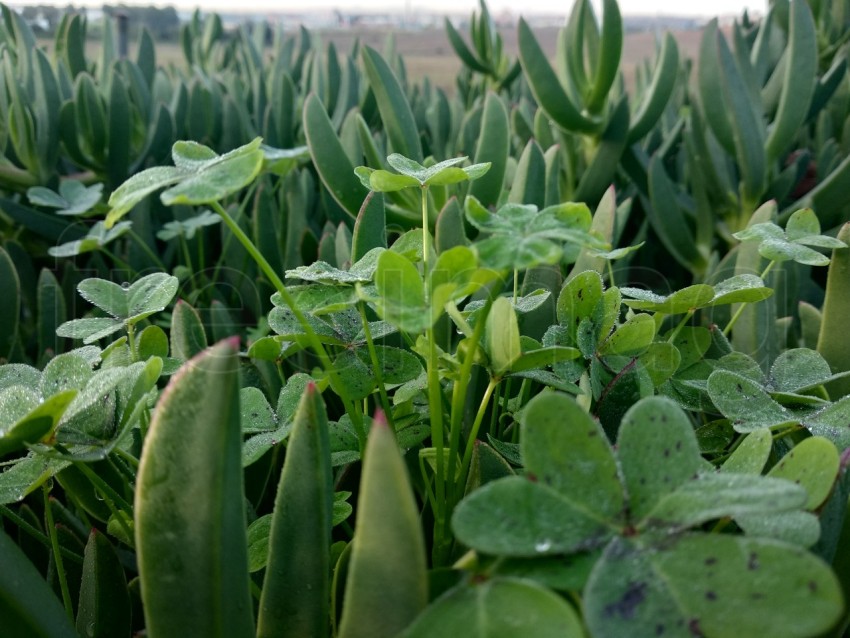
[296, 587]
[714, 585]
[401, 300]
[684, 300]
[832, 342]
[657, 94]
[577, 460]
[89, 330]
[800, 73]
[631, 338]
[189, 507]
[99, 236]
[388, 546]
[73, 198]
[187, 227]
[149, 295]
[28, 606]
[814, 464]
[797, 370]
[498, 608]
[106, 295]
[188, 336]
[713, 496]
[751, 455]
[608, 62]
[744, 402]
[658, 451]
[502, 336]
[256, 413]
[104, 609]
[26, 419]
[199, 176]
[740, 289]
[522, 237]
[393, 106]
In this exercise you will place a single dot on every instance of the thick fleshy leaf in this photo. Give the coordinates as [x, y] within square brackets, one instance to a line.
[502, 341]
[388, 546]
[712, 585]
[297, 582]
[498, 608]
[658, 452]
[28, 606]
[189, 507]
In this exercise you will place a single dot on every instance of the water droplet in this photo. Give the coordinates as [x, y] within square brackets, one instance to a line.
[543, 546]
[125, 285]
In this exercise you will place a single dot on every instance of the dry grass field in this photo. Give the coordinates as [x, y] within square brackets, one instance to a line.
[428, 52]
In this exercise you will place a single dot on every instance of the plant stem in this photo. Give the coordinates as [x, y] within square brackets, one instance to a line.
[742, 306]
[37, 535]
[479, 417]
[313, 339]
[681, 325]
[426, 235]
[376, 366]
[57, 555]
[147, 250]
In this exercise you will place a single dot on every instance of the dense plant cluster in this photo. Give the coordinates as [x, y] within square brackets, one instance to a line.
[292, 346]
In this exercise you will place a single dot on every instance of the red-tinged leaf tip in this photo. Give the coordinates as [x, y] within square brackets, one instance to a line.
[380, 419]
[179, 302]
[233, 342]
[311, 388]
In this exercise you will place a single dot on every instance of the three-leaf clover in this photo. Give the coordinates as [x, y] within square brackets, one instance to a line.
[801, 231]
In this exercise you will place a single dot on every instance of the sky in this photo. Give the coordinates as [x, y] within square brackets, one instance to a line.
[630, 7]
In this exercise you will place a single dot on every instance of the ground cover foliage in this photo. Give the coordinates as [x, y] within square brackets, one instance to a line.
[292, 346]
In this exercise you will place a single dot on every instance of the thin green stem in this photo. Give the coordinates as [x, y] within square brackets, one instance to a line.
[184, 246]
[37, 535]
[312, 337]
[57, 555]
[426, 235]
[459, 393]
[147, 250]
[476, 425]
[742, 306]
[516, 284]
[435, 404]
[376, 365]
[680, 325]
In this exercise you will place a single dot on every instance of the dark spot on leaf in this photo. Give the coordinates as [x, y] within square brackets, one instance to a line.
[710, 595]
[678, 445]
[710, 560]
[659, 630]
[693, 626]
[813, 586]
[753, 562]
[666, 452]
[756, 596]
[738, 386]
[664, 418]
[531, 476]
[592, 433]
[628, 603]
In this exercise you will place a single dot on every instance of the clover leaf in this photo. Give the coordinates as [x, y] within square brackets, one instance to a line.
[412, 173]
[73, 198]
[98, 237]
[801, 231]
[199, 176]
[639, 505]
